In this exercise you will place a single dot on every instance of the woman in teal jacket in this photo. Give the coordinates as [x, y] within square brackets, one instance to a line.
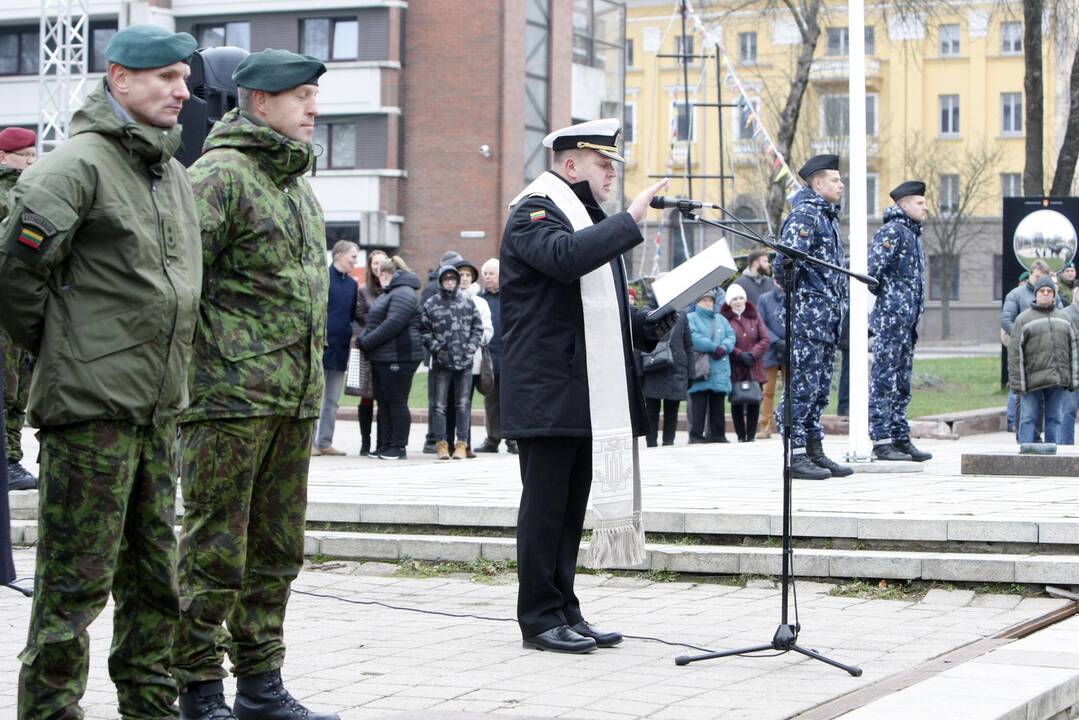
[712, 336]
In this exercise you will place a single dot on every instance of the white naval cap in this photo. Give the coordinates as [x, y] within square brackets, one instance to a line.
[598, 135]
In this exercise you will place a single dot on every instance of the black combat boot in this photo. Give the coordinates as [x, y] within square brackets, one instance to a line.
[815, 451]
[19, 478]
[915, 454]
[204, 701]
[890, 453]
[802, 468]
[264, 697]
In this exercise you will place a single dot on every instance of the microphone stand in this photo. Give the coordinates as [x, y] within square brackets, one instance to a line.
[786, 635]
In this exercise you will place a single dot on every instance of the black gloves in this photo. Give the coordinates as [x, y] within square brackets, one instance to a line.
[746, 358]
[656, 329]
[780, 347]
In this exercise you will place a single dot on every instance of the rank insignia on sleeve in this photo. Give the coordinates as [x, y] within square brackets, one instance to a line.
[803, 233]
[537, 215]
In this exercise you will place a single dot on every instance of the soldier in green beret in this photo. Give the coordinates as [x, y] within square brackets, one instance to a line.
[256, 391]
[102, 275]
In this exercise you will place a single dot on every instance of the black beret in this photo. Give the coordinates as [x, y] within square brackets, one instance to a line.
[276, 70]
[141, 47]
[910, 187]
[817, 163]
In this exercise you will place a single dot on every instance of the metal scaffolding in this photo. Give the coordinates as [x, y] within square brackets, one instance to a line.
[62, 68]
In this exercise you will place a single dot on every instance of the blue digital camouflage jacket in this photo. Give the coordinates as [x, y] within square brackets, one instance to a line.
[897, 260]
[813, 227]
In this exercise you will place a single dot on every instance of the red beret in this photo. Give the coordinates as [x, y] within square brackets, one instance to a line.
[16, 138]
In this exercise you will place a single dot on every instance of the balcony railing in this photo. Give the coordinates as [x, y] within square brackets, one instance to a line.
[834, 69]
[840, 144]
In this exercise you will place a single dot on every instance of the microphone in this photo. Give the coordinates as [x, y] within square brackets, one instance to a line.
[661, 202]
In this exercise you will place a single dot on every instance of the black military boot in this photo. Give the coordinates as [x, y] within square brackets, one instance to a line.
[205, 701]
[890, 453]
[815, 451]
[802, 468]
[19, 478]
[916, 455]
[264, 697]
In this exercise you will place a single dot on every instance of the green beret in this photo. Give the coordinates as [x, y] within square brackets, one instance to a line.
[141, 47]
[276, 70]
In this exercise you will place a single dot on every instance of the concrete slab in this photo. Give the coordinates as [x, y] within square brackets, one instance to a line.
[1016, 465]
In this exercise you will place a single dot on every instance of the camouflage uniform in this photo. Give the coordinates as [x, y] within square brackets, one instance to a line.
[256, 386]
[819, 304]
[18, 364]
[896, 259]
[101, 280]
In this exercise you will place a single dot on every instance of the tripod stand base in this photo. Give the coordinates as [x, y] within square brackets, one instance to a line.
[785, 640]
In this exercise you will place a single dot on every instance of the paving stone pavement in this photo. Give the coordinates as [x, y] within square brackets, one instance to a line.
[371, 661]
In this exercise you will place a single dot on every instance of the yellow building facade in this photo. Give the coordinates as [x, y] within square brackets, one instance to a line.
[944, 95]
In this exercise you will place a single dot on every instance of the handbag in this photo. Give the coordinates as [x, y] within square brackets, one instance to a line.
[661, 358]
[358, 377]
[487, 371]
[746, 392]
[702, 362]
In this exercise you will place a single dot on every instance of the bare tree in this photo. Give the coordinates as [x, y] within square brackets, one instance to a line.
[1064, 176]
[1033, 88]
[955, 185]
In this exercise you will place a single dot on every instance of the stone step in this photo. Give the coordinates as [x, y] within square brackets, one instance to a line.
[704, 559]
[1012, 463]
[896, 528]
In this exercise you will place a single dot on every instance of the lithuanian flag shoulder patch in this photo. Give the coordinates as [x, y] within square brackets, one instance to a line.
[31, 238]
[537, 215]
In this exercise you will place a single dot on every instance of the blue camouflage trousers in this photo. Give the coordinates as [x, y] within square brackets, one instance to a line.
[811, 386]
[889, 386]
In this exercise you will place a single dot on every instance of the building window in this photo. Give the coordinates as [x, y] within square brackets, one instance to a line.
[629, 124]
[331, 38]
[1011, 113]
[936, 273]
[629, 52]
[949, 40]
[745, 123]
[838, 41]
[100, 34]
[683, 126]
[872, 194]
[949, 194]
[19, 51]
[537, 86]
[835, 115]
[683, 45]
[233, 34]
[348, 143]
[1011, 185]
[998, 277]
[949, 115]
[870, 41]
[747, 48]
[1011, 38]
[337, 231]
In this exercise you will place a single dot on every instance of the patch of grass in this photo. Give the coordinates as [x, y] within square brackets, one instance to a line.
[661, 576]
[417, 395]
[915, 590]
[480, 570]
[869, 590]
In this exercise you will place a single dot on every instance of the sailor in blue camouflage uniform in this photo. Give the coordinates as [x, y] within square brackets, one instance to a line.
[820, 299]
[897, 261]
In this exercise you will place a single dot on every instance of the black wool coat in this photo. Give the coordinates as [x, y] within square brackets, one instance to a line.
[544, 384]
[672, 383]
[392, 333]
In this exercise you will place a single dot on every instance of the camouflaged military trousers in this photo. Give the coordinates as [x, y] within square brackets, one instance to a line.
[106, 509]
[889, 385]
[18, 367]
[811, 386]
[245, 503]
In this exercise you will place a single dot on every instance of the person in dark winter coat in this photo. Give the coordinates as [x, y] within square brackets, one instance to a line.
[773, 311]
[756, 279]
[393, 344]
[340, 313]
[452, 330]
[747, 359]
[492, 408]
[667, 386]
[370, 291]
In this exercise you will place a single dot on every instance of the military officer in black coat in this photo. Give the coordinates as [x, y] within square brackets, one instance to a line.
[545, 386]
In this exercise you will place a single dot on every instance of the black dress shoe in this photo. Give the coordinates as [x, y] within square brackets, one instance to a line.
[906, 446]
[560, 639]
[890, 452]
[511, 446]
[603, 638]
[17, 587]
[487, 447]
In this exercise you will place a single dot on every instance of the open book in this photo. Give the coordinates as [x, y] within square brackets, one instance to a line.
[684, 284]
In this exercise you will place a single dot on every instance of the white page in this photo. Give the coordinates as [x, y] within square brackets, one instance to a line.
[684, 284]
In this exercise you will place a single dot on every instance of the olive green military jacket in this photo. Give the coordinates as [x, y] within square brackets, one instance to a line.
[262, 318]
[8, 177]
[101, 272]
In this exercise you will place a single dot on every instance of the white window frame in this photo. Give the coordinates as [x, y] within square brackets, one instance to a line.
[631, 54]
[1011, 45]
[870, 40]
[675, 105]
[954, 109]
[844, 42]
[745, 38]
[872, 197]
[630, 109]
[948, 191]
[741, 132]
[871, 129]
[1016, 128]
[952, 45]
[1011, 179]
